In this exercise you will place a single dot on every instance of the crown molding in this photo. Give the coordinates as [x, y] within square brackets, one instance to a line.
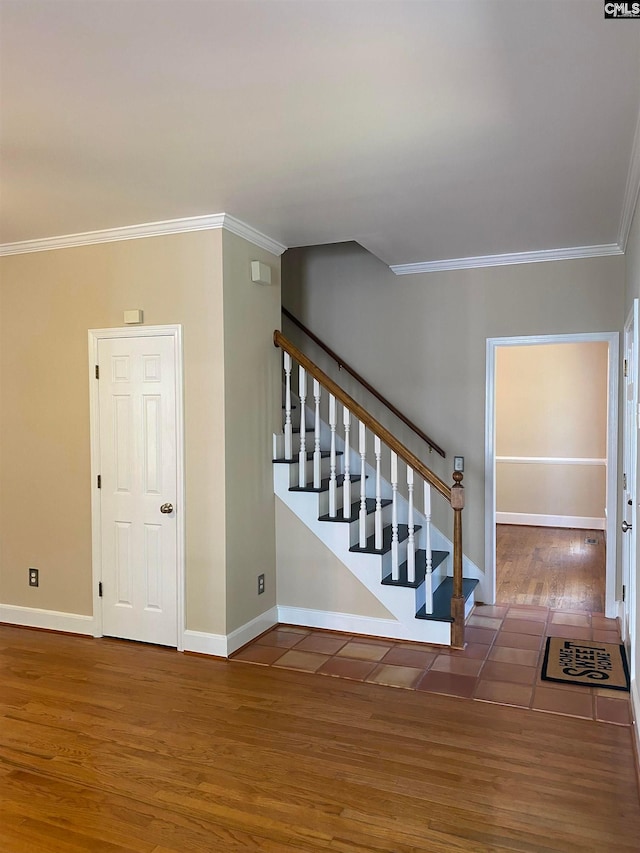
[512, 258]
[148, 229]
[241, 229]
[631, 190]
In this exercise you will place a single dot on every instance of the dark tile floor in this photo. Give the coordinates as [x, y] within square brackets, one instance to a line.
[501, 662]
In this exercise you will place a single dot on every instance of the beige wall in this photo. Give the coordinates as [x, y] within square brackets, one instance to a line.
[421, 339]
[252, 395]
[551, 401]
[311, 576]
[48, 302]
[577, 491]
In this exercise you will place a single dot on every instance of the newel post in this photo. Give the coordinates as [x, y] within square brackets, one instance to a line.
[457, 599]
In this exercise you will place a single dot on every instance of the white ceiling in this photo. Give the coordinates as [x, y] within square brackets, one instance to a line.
[425, 130]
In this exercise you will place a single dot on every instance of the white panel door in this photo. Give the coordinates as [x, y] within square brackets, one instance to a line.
[138, 489]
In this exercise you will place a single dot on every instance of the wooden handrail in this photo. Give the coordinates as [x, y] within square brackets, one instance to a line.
[363, 416]
[342, 364]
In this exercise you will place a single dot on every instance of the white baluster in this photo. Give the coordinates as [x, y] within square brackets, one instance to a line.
[316, 453]
[378, 513]
[395, 566]
[302, 455]
[429, 565]
[411, 541]
[346, 486]
[362, 518]
[332, 475]
[288, 429]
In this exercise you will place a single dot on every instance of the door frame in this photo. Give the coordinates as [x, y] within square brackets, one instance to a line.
[95, 336]
[628, 613]
[613, 340]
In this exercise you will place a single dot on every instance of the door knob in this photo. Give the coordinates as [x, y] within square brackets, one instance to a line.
[625, 526]
[166, 508]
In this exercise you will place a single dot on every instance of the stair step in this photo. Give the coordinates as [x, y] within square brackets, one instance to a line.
[442, 599]
[354, 511]
[324, 454]
[403, 533]
[324, 484]
[437, 557]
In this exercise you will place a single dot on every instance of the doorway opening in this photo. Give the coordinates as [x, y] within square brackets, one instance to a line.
[551, 452]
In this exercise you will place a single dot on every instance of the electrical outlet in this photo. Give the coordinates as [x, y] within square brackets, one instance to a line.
[260, 584]
[34, 579]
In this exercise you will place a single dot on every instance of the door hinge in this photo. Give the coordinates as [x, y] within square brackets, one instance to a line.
[100, 589]
[624, 592]
[624, 481]
[98, 371]
[100, 481]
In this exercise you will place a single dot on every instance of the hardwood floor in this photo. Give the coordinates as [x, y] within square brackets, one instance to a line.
[108, 746]
[550, 566]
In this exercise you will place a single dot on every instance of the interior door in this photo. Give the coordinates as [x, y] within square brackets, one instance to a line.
[138, 488]
[631, 418]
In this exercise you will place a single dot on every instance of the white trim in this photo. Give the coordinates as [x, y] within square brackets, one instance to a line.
[612, 339]
[535, 520]
[148, 229]
[204, 644]
[221, 645]
[96, 335]
[241, 229]
[631, 190]
[48, 620]
[550, 460]
[511, 258]
[245, 633]
[349, 623]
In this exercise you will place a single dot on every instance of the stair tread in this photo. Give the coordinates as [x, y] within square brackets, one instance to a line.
[403, 533]
[324, 484]
[354, 510]
[437, 557]
[324, 454]
[442, 599]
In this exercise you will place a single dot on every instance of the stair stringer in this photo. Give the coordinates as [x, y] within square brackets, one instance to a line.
[367, 568]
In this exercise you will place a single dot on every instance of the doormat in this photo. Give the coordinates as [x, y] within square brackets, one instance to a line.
[585, 662]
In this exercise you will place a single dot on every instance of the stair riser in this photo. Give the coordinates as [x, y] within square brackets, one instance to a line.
[387, 559]
[309, 442]
[370, 527]
[278, 443]
[323, 500]
[386, 563]
[325, 470]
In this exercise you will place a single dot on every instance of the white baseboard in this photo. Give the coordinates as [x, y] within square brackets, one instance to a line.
[205, 644]
[534, 520]
[424, 631]
[48, 620]
[245, 633]
[217, 645]
[224, 645]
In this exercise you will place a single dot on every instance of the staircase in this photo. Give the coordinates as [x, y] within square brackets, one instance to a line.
[370, 521]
